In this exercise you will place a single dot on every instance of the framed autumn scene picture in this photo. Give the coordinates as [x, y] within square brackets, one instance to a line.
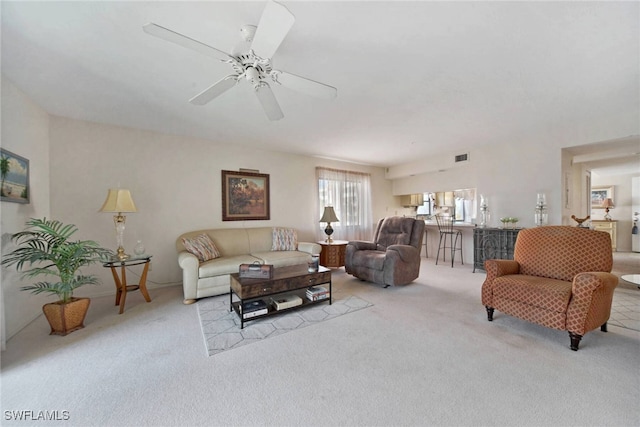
[245, 196]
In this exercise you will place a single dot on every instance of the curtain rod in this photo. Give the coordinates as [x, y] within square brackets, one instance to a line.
[343, 171]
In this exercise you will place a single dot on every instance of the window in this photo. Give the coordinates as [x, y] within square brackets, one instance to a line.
[350, 195]
[459, 203]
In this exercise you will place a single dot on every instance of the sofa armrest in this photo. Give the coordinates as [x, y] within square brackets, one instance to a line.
[590, 305]
[407, 253]
[310, 248]
[189, 264]
[592, 280]
[496, 268]
[361, 245]
[500, 267]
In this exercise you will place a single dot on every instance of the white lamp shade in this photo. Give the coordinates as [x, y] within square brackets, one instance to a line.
[118, 200]
[329, 215]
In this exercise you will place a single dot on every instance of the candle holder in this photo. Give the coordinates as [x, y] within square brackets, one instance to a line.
[484, 211]
[541, 216]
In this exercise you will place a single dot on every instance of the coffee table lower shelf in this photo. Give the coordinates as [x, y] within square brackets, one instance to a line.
[293, 280]
[272, 311]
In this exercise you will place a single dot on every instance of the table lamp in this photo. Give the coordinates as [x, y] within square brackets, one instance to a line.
[329, 216]
[119, 201]
[607, 204]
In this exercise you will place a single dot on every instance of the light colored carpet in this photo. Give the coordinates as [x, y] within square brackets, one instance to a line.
[221, 328]
[423, 355]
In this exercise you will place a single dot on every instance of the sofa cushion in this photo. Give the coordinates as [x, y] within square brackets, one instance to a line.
[284, 239]
[201, 246]
[541, 292]
[283, 258]
[224, 265]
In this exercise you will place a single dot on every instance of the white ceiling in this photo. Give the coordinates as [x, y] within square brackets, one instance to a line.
[413, 78]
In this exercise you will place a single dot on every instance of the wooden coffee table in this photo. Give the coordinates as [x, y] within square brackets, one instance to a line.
[286, 280]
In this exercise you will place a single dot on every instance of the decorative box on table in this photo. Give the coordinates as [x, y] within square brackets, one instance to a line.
[256, 271]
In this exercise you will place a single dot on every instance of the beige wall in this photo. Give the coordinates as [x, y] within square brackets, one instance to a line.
[25, 132]
[512, 174]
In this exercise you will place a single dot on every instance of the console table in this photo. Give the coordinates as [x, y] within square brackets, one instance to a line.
[610, 227]
[493, 243]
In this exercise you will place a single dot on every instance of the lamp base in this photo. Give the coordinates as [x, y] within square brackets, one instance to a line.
[121, 255]
[328, 231]
[607, 217]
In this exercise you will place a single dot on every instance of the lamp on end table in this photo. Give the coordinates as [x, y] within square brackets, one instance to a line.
[607, 204]
[119, 201]
[329, 216]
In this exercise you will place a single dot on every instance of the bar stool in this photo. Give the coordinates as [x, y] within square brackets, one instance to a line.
[445, 226]
[426, 244]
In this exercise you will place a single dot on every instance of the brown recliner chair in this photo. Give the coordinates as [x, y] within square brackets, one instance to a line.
[560, 278]
[393, 257]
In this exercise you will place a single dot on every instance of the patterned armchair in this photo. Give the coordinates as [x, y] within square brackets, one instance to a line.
[560, 278]
[393, 257]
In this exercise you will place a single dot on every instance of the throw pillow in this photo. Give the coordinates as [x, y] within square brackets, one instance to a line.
[284, 239]
[201, 246]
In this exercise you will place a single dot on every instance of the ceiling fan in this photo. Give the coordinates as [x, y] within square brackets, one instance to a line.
[251, 60]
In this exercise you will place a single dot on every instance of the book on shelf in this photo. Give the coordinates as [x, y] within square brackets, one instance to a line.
[317, 297]
[316, 293]
[314, 290]
[253, 309]
[250, 314]
[286, 301]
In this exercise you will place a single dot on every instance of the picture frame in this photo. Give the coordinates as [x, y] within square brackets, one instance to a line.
[245, 196]
[14, 184]
[599, 194]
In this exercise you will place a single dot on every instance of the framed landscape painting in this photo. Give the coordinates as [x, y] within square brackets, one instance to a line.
[599, 194]
[14, 171]
[245, 196]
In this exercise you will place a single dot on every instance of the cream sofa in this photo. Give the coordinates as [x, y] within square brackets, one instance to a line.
[236, 246]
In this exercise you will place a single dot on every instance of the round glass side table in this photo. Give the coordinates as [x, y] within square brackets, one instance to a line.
[121, 280]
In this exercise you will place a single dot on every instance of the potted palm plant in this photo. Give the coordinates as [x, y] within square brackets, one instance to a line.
[45, 249]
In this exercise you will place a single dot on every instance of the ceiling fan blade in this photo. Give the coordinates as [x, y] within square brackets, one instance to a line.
[269, 102]
[184, 41]
[215, 90]
[275, 23]
[306, 86]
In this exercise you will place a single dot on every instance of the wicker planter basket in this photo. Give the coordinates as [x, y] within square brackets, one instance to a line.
[66, 318]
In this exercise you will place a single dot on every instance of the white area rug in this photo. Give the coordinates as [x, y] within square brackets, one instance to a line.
[221, 328]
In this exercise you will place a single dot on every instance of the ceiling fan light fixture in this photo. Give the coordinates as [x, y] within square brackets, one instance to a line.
[252, 75]
[247, 32]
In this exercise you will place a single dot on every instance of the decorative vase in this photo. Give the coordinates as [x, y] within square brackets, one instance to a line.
[139, 248]
[65, 318]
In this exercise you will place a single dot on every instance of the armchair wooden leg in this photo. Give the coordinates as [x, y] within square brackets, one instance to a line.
[603, 328]
[575, 340]
[489, 313]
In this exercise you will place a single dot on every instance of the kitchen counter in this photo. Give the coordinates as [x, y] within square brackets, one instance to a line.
[433, 223]
[431, 240]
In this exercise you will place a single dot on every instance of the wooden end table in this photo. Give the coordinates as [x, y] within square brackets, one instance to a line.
[121, 281]
[333, 253]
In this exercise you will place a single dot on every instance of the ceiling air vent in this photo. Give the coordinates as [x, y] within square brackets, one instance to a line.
[462, 157]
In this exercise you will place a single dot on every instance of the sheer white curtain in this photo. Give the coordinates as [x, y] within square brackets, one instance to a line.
[350, 195]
